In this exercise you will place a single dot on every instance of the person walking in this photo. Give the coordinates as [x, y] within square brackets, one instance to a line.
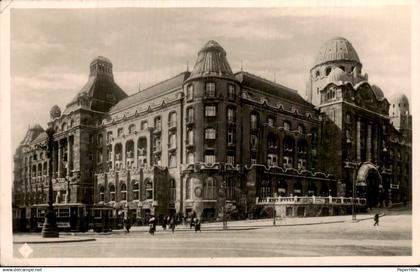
[172, 224]
[376, 219]
[197, 226]
[152, 225]
[164, 223]
[127, 224]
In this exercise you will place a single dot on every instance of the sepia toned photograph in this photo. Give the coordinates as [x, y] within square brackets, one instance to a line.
[207, 133]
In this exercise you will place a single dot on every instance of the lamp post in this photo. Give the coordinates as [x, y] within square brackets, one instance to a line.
[49, 229]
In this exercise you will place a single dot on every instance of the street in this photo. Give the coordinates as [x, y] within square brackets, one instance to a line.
[392, 237]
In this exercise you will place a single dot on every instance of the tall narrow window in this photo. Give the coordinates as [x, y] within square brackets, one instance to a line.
[112, 192]
[172, 190]
[123, 191]
[230, 115]
[190, 115]
[188, 189]
[149, 188]
[144, 125]
[136, 190]
[209, 157]
[102, 193]
[172, 161]
[190, 137]
[190, 158]
[231, 91]
[286, 125]
[301, 129]
[231, 137]
[172, 141]
[210, 89]
[254, 121]
[172, 120]
[190, 92]
[210, 134]
[230, 157]
[270, 121]
[209, 188]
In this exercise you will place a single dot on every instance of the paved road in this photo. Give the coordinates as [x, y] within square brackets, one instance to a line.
[392, 237]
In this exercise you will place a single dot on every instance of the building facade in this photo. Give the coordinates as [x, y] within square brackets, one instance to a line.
[211, 141]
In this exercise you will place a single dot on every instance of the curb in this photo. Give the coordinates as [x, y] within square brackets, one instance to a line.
[55, 241]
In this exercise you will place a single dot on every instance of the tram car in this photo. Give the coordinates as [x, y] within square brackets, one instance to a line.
[69, 217]
[105, 218]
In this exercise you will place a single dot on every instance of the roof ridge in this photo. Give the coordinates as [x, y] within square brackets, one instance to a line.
[268, 81]
[160, 82]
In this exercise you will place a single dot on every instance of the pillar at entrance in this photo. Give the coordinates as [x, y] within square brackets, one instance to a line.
[369, 143]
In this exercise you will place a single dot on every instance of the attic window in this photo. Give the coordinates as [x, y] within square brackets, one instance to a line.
[328, 71]
[317, 74]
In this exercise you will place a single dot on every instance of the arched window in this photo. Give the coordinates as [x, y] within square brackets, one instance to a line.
[112, 192]
[123, 189]
[317, 74]
[149, 188]
[327, 71]
[136, 189]
[254, 120]
[172, 190]
[209, 188]
[190, 158]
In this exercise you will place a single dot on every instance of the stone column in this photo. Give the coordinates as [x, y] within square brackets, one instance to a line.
[60, 155]
[68, 156]
[369, 142]
[358, 146]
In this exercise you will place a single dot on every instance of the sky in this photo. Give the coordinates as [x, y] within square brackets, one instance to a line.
[51, 48]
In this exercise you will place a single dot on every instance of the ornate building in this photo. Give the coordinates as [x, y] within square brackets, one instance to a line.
[210, 140]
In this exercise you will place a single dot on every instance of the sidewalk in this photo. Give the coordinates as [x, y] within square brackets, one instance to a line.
[36, 238]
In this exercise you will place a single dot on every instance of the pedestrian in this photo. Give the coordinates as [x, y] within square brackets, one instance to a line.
[172, 224]
[164, 222]
[152, 225]
[197, 225]
[192, 221]
[376, 219]
[127, 224]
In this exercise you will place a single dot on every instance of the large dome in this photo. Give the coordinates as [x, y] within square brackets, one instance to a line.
[336, 49]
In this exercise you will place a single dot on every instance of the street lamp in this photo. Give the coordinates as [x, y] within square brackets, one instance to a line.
[49, 229]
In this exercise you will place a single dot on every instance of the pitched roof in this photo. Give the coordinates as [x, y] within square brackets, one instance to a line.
[269, 87]
[152, 91]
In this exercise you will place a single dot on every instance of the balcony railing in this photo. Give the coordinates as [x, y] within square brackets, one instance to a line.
[296, 200]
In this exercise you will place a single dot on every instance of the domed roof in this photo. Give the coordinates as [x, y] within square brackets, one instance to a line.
[55, 112]
[378, 92]
[211, 61]
[101, 58]
[400, 100]
[335, 49]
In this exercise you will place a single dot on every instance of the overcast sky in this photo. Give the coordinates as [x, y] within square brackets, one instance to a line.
[51, 48]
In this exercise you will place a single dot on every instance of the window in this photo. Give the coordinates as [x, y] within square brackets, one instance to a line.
[231, 91]
[91, 139]
[210, 89]
[230, 157]
[230, 115]
[272, 160]
[209, 157]
[172, 190]
[190, 137]
[100, 157]
[172, 161]
[328, 71]
[190, 115]
[131, 128]
[254, 121]
[120, 132]
[301, 129]
[100, 139]
[265, 189]
[158, 123]
[144, 125]
[112, 192]
[172, 119]
[64, 126]
[109, 136]
[231, 136]
[102, 193]
[287, 162]
[209, 188]
[348, 118]
[254, 141]
[136, 190]
[190, 92]
[190, 158]
[210, 134]
[286, 125]
[123, 191]
[188, 189]
[149, 188]
[301, 164]
[317, 74]
[172, 141]
[210, 111]
[270, 121]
